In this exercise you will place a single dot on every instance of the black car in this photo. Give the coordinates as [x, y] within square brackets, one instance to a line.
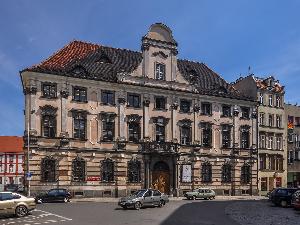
[282, 196]
[54, 195]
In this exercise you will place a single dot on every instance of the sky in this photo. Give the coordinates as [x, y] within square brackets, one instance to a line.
[228, 36]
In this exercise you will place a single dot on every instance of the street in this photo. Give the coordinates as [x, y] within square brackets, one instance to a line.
[176, 212]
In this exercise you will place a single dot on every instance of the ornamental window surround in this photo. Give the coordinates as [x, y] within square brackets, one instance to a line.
[185, 105]
[134, 171]
[185, 126]
[160, 71]
[245, 113]
[108, 126]
[108, 97]
[48, 121]
[206, 129]
[78, 170]
[226, 135]
[206, 108]
[107, 170]
[49, 90]
[80, 121]
[134, 100]
[79, 94]
[245, 174]
[245, 136]
[49, 170]
[226, 111]
[226, 173]
[206, 172]
[160, 102]
[134, 127]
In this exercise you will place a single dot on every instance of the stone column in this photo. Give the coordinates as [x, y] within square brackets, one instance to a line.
[30, 105]
[174, 108]
[146, 117]
[121, 116]
[64, 94]
[196, 110]
[147, 171]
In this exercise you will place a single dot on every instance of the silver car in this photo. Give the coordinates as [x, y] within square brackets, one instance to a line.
[144, 197]
[13, 203]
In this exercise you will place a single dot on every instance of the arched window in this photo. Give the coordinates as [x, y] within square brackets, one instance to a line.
[226, 173]
[48, 169]
[134, 171]
[206, 172]
[107, 169]
[48, 113]
[78, 169]
[245, 174]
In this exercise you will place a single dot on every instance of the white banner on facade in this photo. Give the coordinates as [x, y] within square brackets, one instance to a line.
[186, 173]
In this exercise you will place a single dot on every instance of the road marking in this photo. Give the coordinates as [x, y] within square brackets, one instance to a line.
[52, 214]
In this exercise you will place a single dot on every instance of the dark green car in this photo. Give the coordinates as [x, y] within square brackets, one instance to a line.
[203, 193]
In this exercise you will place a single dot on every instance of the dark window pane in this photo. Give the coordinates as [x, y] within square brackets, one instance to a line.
[49, 90]
[134, 132]
[185, 106]
[48, 170]
[79, 125]
[160, 103]
[160, 133]
[160, 71]
[185, 135]
[133, 100]
[226, 173]
[206, 109]
[134, 171]
[78, 170]
[206, 134]
[107, 170]
[206, 172]
[226, 111]
[108, 97]
[79, 94]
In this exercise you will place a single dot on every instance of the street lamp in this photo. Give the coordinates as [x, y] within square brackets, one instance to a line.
[28, 174]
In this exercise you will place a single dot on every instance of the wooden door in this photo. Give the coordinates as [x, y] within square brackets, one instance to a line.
[161, 181]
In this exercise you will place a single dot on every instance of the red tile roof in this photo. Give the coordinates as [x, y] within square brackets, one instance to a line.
[11, 144]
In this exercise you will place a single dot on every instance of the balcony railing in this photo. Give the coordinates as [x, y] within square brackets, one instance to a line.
[160, 147]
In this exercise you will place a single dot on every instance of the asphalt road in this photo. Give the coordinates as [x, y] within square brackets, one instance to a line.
[92, 213]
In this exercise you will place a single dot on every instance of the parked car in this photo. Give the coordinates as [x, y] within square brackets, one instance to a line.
[296, 200]
[14, 188]
[54, 195]
[15, 204]
[143, 198]
[204, 193]
[282, 196]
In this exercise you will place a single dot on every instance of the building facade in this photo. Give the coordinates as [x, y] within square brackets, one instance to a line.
[272, 166]
[292, 113]
[11, 161]
[106, 121]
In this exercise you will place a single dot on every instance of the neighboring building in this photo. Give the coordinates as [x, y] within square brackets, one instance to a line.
[11, 161]
[272, 133]
[292, 113]
[107, 121]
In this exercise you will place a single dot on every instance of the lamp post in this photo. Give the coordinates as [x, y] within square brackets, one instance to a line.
[28, 175]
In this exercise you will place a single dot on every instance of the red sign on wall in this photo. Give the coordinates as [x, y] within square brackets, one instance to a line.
[94, 178]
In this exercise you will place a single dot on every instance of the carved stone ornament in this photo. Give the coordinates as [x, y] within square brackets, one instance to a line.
[133, 118]
[64, 94]
[145, 46]
[160, 53]
[146, 102]
[160, 120]
[174, 51]
[196, 108]
[30, 91]
[48, 110]
[174, 106]
[185, 122]
[107, 116]
[122, 100]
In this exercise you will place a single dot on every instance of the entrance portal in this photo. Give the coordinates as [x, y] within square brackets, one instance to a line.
[161, 177]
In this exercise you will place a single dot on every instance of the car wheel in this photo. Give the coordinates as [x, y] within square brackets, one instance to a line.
[211, 198]
[161, 203]
[21, 211]
[283, 203]
[124, 207]
[137, 205]
[66, 199]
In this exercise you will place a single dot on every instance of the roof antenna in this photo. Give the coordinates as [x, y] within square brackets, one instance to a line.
[249, 69]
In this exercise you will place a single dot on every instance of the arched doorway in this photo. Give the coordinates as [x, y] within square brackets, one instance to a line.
[161, 177]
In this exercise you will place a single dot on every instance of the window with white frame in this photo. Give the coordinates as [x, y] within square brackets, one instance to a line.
[262, 141]
[278, 101]
[261, 98]
[278, 121]
[262, 119]
[270, 100]
[160, 71]
[271, 119]
[270, 142]
[278, 143]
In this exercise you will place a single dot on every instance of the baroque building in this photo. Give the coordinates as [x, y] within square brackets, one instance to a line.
[272, 146]
[106, 121]
[292, 116]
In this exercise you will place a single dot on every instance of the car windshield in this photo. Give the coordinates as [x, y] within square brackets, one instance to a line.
[139, 193]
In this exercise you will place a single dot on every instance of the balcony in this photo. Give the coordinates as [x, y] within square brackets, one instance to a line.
[160, 147]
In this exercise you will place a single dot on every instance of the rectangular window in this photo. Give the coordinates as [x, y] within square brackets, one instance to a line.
[297, 121]
[160, 71]
[49, 90]
[134, 100]
[79, 125]
[108, 97]
[80, 94]
[278, 143]
[262, 141]
[226, 135]
[49, 126]
[270, 142]
[206, 108]
[226, 110]
[279, 163]
[160, 103]
[270, 100]
[271, 119]
[264, 183]
[245, 112]
[261, 98]
[262, 119]
[134, 132]
[262, 161]
[185, 106]
[185, 135]
[244, 138]
[278, 121]
[272, 162]
[278, 101]
[108, 130]
[206, 134]
[160, 132]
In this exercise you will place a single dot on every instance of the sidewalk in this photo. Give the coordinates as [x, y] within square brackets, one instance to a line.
[218, 198]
